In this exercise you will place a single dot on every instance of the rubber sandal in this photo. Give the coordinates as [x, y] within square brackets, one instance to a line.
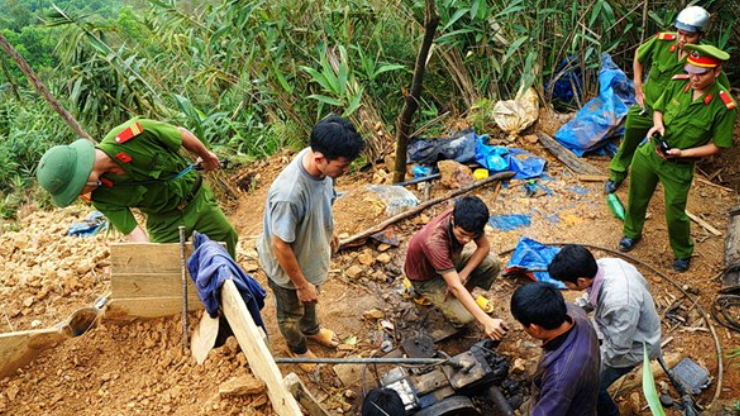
[485, 304]
[325, 337]
[307, 367]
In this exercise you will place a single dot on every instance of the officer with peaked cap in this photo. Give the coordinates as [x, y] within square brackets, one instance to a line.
[695, 117]
[138, 165]
[667, 55]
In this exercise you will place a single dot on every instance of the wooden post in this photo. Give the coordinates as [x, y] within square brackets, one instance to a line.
[411, 102]
[254, 348]
[41, 88]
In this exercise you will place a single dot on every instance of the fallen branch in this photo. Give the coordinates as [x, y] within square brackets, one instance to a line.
[421, 207]
[704, 224]
[716, 185]
[568, 158]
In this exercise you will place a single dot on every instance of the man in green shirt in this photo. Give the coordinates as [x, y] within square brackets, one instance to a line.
[138, 165]
[694, 117]
[667, 55]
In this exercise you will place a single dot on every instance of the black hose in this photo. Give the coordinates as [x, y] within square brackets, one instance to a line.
[721, 314]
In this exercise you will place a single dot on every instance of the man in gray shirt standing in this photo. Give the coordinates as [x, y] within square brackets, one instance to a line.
[298, 239]
[624, 312]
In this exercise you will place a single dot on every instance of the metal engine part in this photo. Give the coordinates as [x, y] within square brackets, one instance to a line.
[446, 389]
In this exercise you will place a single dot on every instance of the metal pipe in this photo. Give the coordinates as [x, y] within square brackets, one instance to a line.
[418, 180]
[183, 275]
[360, 360]
[495, 395]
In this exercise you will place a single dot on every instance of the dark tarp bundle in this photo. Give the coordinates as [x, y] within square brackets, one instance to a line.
[602, 117]
[531, 258]
[210, 266]
[460, 148]
[501, 159]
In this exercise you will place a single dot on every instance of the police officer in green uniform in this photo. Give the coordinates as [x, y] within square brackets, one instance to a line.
[667, 53]
[695, 117]
[139, 165]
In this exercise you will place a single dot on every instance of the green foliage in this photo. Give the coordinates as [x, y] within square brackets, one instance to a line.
[251, 77]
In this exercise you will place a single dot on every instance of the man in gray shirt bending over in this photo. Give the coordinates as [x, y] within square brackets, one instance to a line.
[298, 239]
[624, 312]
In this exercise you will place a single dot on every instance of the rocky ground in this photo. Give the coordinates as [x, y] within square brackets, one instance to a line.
[139, 368]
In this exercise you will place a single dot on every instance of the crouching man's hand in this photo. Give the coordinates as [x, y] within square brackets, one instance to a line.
[495, 329]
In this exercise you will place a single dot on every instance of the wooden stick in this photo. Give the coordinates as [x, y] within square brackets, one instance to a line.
[593, 178]
[421, 207]
[564, 155]
[716, 185]
[704, 224]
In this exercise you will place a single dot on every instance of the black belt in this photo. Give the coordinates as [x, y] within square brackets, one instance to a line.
[189, 197]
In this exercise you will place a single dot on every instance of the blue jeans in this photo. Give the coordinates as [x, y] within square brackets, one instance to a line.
[605, 405]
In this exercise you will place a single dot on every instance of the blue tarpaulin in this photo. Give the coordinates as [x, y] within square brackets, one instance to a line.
[93, 224]
[510, 222]
[500, 159]
[603, 116]
[532, 258]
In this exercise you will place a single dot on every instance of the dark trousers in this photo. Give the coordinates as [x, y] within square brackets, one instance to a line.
[295, 319]
[605, 405]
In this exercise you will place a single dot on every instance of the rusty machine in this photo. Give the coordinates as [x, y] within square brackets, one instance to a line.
[449, 388]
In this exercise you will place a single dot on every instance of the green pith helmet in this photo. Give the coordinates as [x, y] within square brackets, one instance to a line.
[63, 170]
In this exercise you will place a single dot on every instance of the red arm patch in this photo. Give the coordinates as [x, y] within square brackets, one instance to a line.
[729, 103]
[129, 133]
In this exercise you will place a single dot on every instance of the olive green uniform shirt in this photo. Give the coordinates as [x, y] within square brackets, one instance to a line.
[147, 185]
[664, 64]
[693, 123]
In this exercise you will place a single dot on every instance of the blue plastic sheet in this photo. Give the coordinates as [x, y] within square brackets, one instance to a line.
[510, 222]
[500, 159]
[93, 224]
[567, 82]
[602, 117]
[532, 258]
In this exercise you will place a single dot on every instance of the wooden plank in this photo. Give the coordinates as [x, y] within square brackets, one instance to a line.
[142, 258]
[731, 278]
[304, 397]
[138, 285]
[634, 378]
[593, 178]
[255, 349]
[569, 159]
[127, 309]
[18, 348]
[704, 224]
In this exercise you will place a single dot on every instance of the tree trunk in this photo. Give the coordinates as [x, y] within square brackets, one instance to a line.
[411, 102]
[41, 88]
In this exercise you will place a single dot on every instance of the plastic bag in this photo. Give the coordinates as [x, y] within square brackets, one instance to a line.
[93, 224]
[602, 117]
[500, 159]
[513, 116]
[532, 258]
[510, 222]
[460, 148]
[396, 198]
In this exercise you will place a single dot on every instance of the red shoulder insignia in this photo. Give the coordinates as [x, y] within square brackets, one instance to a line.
[680, 76]
[123, 157]
[667, 36]
[687, 87]
[729, 102]
[708, 99]
[673, 48]
[129, 133]
[106, 182]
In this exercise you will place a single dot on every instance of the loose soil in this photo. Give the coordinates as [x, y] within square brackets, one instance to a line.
[139, 369]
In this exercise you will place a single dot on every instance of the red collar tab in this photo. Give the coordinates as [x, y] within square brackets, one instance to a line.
[123, 157]
[687, 87]
[667, 36]
[703, 61]
[129, 133]
[729, 103]
[680, 76]
[708, 99]
[106, 182]
[673, 48]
